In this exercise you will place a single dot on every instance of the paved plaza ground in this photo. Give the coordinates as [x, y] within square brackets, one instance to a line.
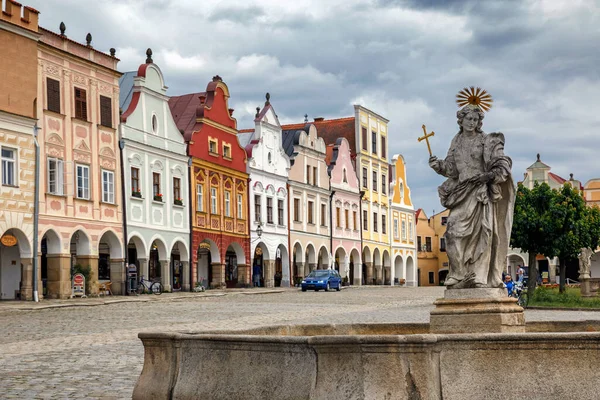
[93, 351]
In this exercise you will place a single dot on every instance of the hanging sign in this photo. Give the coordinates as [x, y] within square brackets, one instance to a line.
[8, 240]
[78, 286]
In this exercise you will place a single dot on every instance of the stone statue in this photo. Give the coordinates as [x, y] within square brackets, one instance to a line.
[585, 260]
[479, 193]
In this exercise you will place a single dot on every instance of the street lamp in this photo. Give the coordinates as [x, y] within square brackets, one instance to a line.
[259, 229]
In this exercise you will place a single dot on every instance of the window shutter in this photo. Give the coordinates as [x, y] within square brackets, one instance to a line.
[80, 104]
[106, 111]
[53, 95]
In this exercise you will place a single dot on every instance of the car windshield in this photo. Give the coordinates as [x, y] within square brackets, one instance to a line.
[318, 274]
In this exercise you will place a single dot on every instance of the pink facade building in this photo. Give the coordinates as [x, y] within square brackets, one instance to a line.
[345, 212]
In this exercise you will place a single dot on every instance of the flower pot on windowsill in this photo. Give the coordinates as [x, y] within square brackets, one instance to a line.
[158, 198]
[137, 194]
[178, 202]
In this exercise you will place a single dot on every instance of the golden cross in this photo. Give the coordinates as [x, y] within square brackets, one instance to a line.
[426, 138]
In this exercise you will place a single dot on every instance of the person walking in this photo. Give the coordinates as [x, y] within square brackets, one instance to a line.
[520, 273]
[256, 275]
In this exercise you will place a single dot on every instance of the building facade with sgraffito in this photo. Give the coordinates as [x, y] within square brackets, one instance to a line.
[80, 214]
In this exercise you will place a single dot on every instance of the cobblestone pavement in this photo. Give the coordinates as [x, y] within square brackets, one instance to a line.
[93, 352]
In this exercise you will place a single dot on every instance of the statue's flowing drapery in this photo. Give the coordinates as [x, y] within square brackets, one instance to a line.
[480, 219]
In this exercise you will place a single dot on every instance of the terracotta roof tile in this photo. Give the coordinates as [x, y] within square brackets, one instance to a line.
[183, 108]
[332, 129]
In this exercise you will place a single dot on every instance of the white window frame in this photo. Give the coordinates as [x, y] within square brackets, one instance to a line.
[214, 207]
[403, 229]
[396, 229]
[59, 170]
[108, 186]
[410, 230]
[227, 203]
[240, 206]
[85, 180]
[199, 197]
[272, 220]
[8, 161]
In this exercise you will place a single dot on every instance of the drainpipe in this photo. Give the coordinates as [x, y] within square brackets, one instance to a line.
[250, 257]
[360, 218]
[290, 257]
[190, 223]
[331, 224]
[36, 213]
[124, 211]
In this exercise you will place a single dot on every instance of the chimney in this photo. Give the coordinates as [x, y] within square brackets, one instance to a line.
[319, 119]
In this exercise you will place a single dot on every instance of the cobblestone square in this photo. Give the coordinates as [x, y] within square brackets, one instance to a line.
[93, 352]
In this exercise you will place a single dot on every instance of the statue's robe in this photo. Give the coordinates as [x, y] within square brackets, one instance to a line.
[480, 219]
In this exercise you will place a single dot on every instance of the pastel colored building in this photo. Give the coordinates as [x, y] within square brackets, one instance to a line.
[345, 212]
[268, 167]
[156, 194]
[80, 214]
[592, 191]
[219, 186]
[309, 197]
[428, 250]
[403, 238]
[18, 114]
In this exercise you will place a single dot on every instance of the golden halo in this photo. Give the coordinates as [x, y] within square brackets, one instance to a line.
[475, 97]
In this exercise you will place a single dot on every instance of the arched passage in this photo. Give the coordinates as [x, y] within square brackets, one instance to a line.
[367, 267]
[208, 256]
[297, 263]
[311, 258]
[411, 273]
[387, 270]
[53, 265]
[180, 267]
[260, 257]
[234, 256]
[282, 266]
[323, 261]
[513, 262]
[399, 272]
[82, 259]
[355, 268]
[110, 261]
[340, 263]
[16, 269]
[158, 262]
[378, 270]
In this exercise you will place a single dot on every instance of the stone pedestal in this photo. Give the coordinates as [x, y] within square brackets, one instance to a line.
[477, 311]
[590, 287]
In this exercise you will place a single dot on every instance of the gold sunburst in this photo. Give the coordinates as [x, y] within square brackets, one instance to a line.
[476, 97]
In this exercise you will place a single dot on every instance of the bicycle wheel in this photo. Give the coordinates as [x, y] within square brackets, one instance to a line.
[523, 300]
[140, 288]
[156, 288]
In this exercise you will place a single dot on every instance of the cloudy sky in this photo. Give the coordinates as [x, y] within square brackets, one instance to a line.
[404, 59]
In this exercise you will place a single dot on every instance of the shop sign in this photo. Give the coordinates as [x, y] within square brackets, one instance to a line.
[78, 286]
[8, 240]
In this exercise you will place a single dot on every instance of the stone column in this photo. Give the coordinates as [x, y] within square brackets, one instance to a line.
[27, 279]
[165, 274]
[59, 276]
[369, 273]
[143, 270]
[552, 265]
[311, 267]
[218, 276]
[185, 276]
[300, 269]
[379, 275]
[387, 271]
[118, 277]
[92, 261]
[40, 281]
[269, 272]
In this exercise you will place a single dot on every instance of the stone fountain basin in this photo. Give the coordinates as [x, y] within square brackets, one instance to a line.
[551, 360]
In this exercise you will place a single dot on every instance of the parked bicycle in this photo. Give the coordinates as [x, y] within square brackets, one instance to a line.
[146, 286]
[520, 293]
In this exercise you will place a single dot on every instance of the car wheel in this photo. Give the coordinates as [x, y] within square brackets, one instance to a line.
[338, 288]
[304, 289]
[327, 287]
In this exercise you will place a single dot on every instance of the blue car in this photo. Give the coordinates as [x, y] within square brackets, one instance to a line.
[322, 279]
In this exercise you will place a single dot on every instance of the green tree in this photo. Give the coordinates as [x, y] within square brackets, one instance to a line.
[532, 225]
[574, 226]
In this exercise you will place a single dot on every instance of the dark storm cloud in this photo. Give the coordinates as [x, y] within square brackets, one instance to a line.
[405, 59]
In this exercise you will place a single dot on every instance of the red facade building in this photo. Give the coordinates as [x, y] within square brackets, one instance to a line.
[218, 187]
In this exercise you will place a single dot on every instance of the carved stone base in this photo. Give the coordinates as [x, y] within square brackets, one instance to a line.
[477, 311]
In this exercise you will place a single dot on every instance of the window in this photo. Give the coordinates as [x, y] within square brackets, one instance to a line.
[297, 210]
[227, 151]
[227, 203]
[177, 190]
[269, 210]
[83, 181]
[257, 206]
[240, 206]
[108, 186]
[428, 243]
[55, 176]
[212, 146]
[383, 224]
[444, 220]
[156, 184]
[374, 181]
[419, 248]
[154, 124]
[375, 216]
[323, 215]
[383, 152]
[53, 95]
[338, 212]
[9, 157]
[364, 138]
[442, 244]
[315, 176]
[280, 212]
[213, 201]
[365, 220]
[431, 278]
[364, 176]
[310, 212]
[403, 230]
[396, 228]
[106, 111]
[80, 104]
[199, 198]
[383, 184]
[354, 220]
[135, 181]
[374, 142]
[410, 230]
[347, 218]
[345, 178]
